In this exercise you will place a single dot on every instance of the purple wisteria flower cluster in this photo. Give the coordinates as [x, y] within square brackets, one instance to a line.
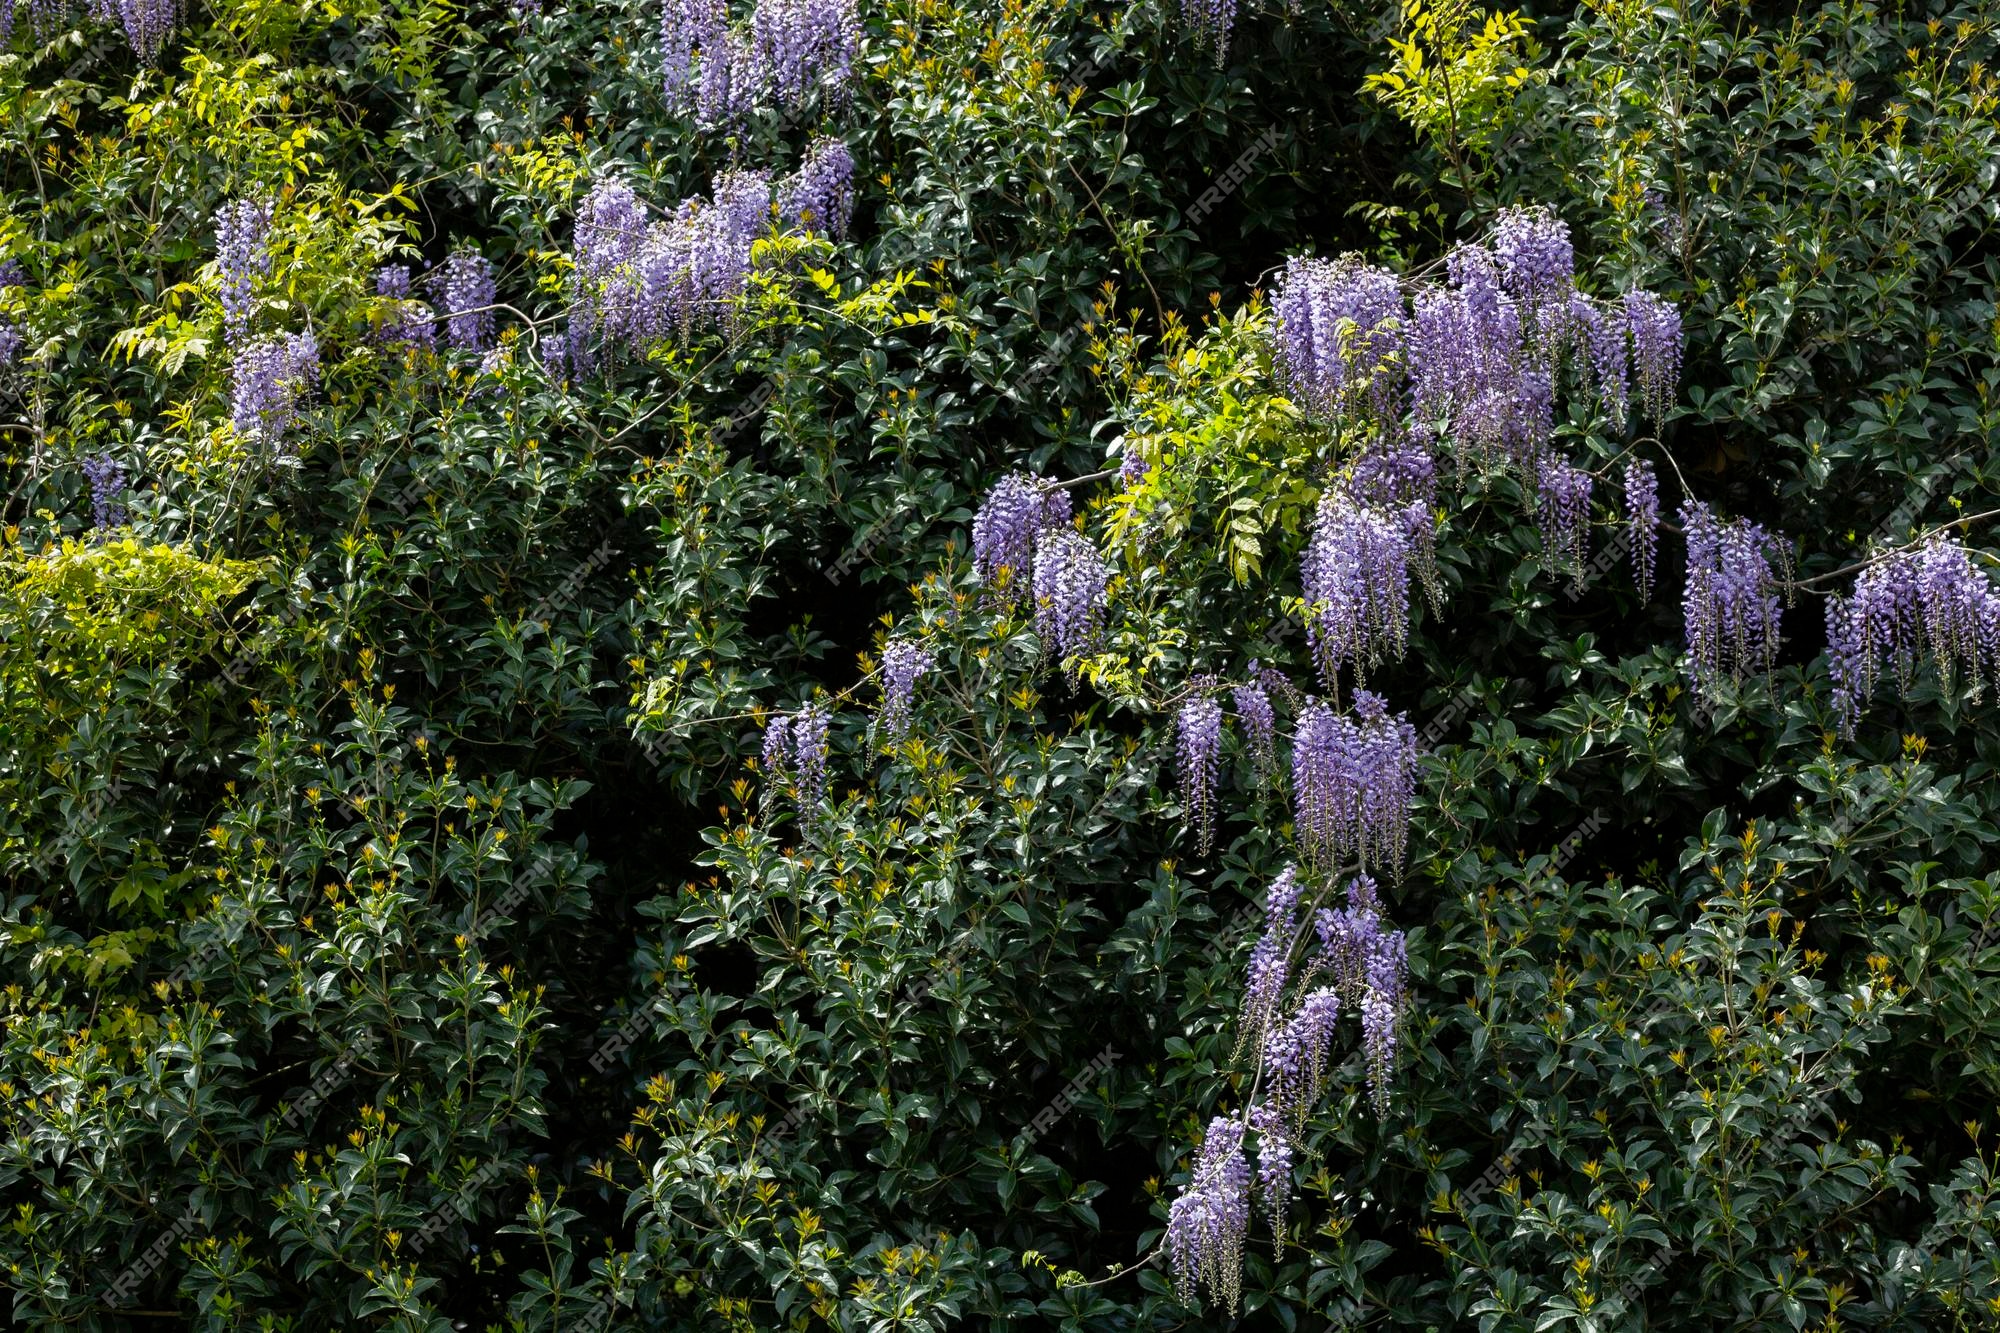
[902, 663]
[1731, 609]
[1365, 966]
[147, 25]
[1071, 579]
[267, 381]
[1340, 328]
[819, 196]
[1562, 510]
[717, 74]
[637, 282]
[1474, 363]
[1354, 779]
[1207, 1224]
[407, 322]
[1357, 585]
[1200, 752]
[243, 254]
[466, 291]
[1211, 21]
[1260, 726]
[1923, 605]
[1008, 530]
[107, 481]
[11, 275]
[1642, 520]
[795, 746]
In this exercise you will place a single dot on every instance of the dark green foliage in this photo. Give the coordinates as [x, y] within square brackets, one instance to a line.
[399, 931]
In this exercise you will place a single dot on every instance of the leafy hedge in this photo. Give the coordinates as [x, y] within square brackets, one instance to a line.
[403, 927]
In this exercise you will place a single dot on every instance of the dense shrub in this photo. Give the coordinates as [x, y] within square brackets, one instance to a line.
[692, 667]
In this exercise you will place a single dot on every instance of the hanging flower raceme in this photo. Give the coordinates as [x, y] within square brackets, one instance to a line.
[1655, 325]
[1731, 607]
[1604, 361]
[1207, 1224]
[800, 45]
[693, 37]
[242, 252]
[1070, 583]
[466, 293]
[1007, 530]
[635, 285]
[1200, 732]
[1642, 520]
[107, 480]
[1537, 267]
[1339, 334]
[267, 381]
[408, 323]
[1562, 510]
[1357, 586]
[11, 273]
[1368, 963]
[147, 25]
[796, 747]
[1211, 21]
[1929, 606]
[1260, 726]
[902, 663]
[1354, 780]
[1274, 1167]
[744, 198]
[1270, 959]
[819, 196]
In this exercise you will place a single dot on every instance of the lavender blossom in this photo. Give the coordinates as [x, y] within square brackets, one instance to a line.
[1211, 22]
[1538, 269]
[1260, 726]
[809, 758]
[1731, 607]
[407, 323]
[10, 339]
[1007, 528]
[1368, 964]
[107, 479]
[800, 45]
[242, 250]
[1928, 605]
[1274, 1167]
[692, 33]
[1270, 959]
[1357, 587]
[1655, 325]
[1200, 727]
[902, 663]
[1295, 1054]
[1642, 518]
[466, 293]
[1339, 332]
[819, 196]
[1353, 783]
[1382, 1005]
[1468, 363]
[1070, 581]
[267, 381]
[1206, 1225]
[777, 756]
[1562, 511]
[11, 272]
[744, 200]
[147, 25]
[1605, 361]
